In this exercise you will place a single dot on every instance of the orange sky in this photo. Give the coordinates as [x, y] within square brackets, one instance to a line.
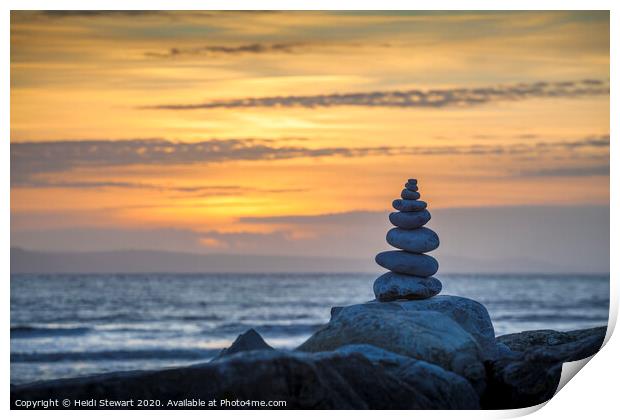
[540, 136]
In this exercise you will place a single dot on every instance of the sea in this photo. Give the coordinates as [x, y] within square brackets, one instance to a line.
[81, 324]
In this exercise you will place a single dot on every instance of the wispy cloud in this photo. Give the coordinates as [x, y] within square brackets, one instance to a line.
[190, 191]
[106, 239]
[96, 13]
[46, 183]
[217, 50]
[53, 156]
[351, 217]
[30, 159]
[434, 98]
[38, 182]
[570, 171]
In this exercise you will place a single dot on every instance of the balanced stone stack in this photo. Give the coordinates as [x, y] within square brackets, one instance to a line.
[411, 270]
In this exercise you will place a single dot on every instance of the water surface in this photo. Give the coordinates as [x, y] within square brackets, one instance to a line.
[71, 325]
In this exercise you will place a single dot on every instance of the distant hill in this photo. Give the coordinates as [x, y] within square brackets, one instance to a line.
[141, 261]
[138, 261]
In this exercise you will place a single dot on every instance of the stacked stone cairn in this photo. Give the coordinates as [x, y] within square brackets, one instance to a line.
[411, 270]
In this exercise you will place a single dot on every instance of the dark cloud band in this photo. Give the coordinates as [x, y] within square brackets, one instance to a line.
[436, 98]
[217, 50]
[30, 160]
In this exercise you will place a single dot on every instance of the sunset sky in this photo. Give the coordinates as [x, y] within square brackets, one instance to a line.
[290, 133]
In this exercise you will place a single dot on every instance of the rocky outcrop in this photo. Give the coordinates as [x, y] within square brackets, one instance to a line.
[530, 373]
[574, 342]
[337, 380]
[424, 335]
[519, 382]
[352, 376]
[249, 340]
[469, 314]
[430, 380]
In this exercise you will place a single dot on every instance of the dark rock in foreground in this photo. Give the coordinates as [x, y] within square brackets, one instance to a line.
[346, 380]
[469, 314]
[531, 374]
[249, 340]
[353, 376]
[551, 340]
[423, 335]
[430, 380]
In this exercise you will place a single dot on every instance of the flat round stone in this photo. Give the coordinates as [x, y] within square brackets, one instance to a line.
[394, 286]
[410, 220]
[411, 187]
[404, 262]
[415, 240]
[408, 205]
[412, 180]
[409, 195]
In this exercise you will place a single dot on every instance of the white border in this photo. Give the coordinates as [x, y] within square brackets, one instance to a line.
[593, 394]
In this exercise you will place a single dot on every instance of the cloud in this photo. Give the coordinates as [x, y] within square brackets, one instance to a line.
[556, 235]
[359, 218]
[279, 241]
[218, 50]
[44, 183]
[31, 159]
[97, 13]
[190, 191]
[106, 239]
[435, 98]
[574, 171]
[251, 242]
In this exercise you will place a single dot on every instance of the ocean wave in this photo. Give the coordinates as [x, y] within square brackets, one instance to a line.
[138, 354]
[269, 329]
[29, 331]
[198, 318]
[549, 318]
[282, 317]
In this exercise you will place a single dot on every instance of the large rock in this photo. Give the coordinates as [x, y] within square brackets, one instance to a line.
[530, 373]
[519, 382]
[249, 340]
[411, 219]
[413, 240]
[423, 335]
[407, 263]
[338, 380]
[354, 376]
[447, 389]
[550, 340]
[472, 316]
[391, 286]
